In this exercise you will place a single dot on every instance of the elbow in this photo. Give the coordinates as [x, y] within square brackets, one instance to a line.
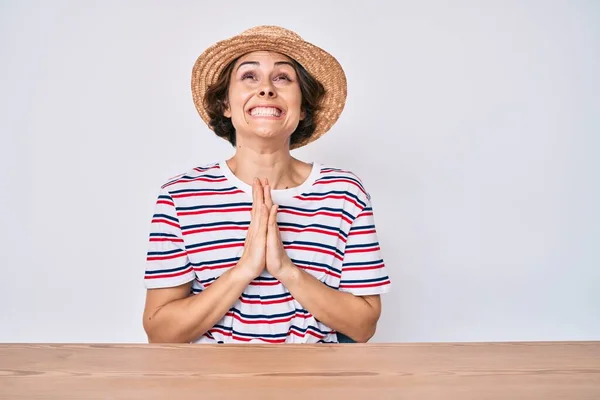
[157, 332]
[154, 333]
[366, 334]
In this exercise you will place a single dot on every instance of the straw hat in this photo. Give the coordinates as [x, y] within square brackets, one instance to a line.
[320, 64]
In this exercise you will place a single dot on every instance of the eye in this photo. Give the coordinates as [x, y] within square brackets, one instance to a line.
[248, 75]
[284, 76]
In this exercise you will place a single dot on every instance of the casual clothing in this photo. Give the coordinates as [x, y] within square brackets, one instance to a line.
[327, 228]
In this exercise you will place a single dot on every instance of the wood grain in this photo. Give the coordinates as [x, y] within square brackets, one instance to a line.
[510, 370]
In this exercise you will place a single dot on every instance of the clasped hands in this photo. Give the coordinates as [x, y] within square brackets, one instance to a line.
[263, 247]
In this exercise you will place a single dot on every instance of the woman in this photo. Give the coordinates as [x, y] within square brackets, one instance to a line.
[263, 247]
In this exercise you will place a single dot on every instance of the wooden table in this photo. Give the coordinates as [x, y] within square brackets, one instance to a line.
[533, 370]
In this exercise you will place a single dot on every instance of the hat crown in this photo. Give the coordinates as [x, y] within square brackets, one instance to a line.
[271, 30]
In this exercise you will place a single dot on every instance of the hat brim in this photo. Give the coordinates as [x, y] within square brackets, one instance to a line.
[318, 63]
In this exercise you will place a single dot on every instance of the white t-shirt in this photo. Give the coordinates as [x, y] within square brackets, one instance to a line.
[327, 228]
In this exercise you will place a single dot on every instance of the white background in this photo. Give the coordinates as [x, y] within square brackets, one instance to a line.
[475, 126]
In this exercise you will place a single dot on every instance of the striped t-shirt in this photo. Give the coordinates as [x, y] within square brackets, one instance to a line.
[327, 228]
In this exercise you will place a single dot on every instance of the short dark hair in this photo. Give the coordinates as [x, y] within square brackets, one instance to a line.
[215, 102]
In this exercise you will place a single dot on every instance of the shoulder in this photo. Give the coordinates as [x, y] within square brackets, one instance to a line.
[203, 174]
[339, 177]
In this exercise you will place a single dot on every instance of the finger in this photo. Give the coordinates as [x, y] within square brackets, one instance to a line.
[254, 202]
[263, 220]
[267, 192]
[273, 217]
[260, 198]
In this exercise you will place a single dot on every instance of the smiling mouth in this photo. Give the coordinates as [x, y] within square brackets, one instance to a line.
[272, 112]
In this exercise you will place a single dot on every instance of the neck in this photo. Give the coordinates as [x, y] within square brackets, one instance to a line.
[278, 166]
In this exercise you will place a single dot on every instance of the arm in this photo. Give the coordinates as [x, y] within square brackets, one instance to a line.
[355, 308]
[172, 315]
[355, 316]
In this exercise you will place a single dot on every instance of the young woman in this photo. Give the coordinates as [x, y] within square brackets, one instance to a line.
[263, 247]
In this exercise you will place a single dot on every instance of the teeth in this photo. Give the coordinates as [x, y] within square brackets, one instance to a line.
[265, 112]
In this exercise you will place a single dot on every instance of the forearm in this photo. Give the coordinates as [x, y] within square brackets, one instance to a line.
[185, 320]
[341, 311]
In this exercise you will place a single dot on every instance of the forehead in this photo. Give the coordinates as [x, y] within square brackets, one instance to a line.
[268, 57]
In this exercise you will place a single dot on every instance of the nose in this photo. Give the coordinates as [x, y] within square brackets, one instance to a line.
[266, 91]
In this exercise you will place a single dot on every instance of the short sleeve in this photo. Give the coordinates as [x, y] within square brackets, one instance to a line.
[167, 262]
[363, 269]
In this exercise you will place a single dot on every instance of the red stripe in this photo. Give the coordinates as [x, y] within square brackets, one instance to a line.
[245, 339]
[165, 221]
[167, 202]
[264, 283]
[366, 285]
[221, 246]
[213, 267]
[216, 210]
[260, 301]
[174, 240]
[177, 196]
[335, 170]
[204, 169]
[224, 228]
[201, 179]
[346, 269]
[267, 321]
[308, 332]
[332, 196]
[169, 257]
[365, 232]
[307, 214]
[327, 271]
[174, 274]
[363, 250]
[328, 252]
[299, 230]
[328, 181]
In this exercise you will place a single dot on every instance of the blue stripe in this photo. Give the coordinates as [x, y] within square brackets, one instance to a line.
[312, 328]
[265, 279]
[357, 246]
[165, 216]
[363, 263]
[343, 192]
[268, 297]
[202, 190]
[227, 205]
[216, 262]
[214, 242]
[214, 224]
[165, 197]
[165, 253]
[202, 176]
[167, 235]
[166, 271]
[331, 177]
[316, 264]
[365, 280]
[268, 316]
[314, 244]
[359, 228]
[272, 335]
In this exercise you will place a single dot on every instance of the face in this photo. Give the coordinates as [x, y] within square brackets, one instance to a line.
[264, 96]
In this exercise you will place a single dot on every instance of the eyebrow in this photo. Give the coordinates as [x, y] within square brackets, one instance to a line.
[256, 63]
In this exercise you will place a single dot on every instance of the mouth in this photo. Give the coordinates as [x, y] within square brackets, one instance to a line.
[271, 112]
